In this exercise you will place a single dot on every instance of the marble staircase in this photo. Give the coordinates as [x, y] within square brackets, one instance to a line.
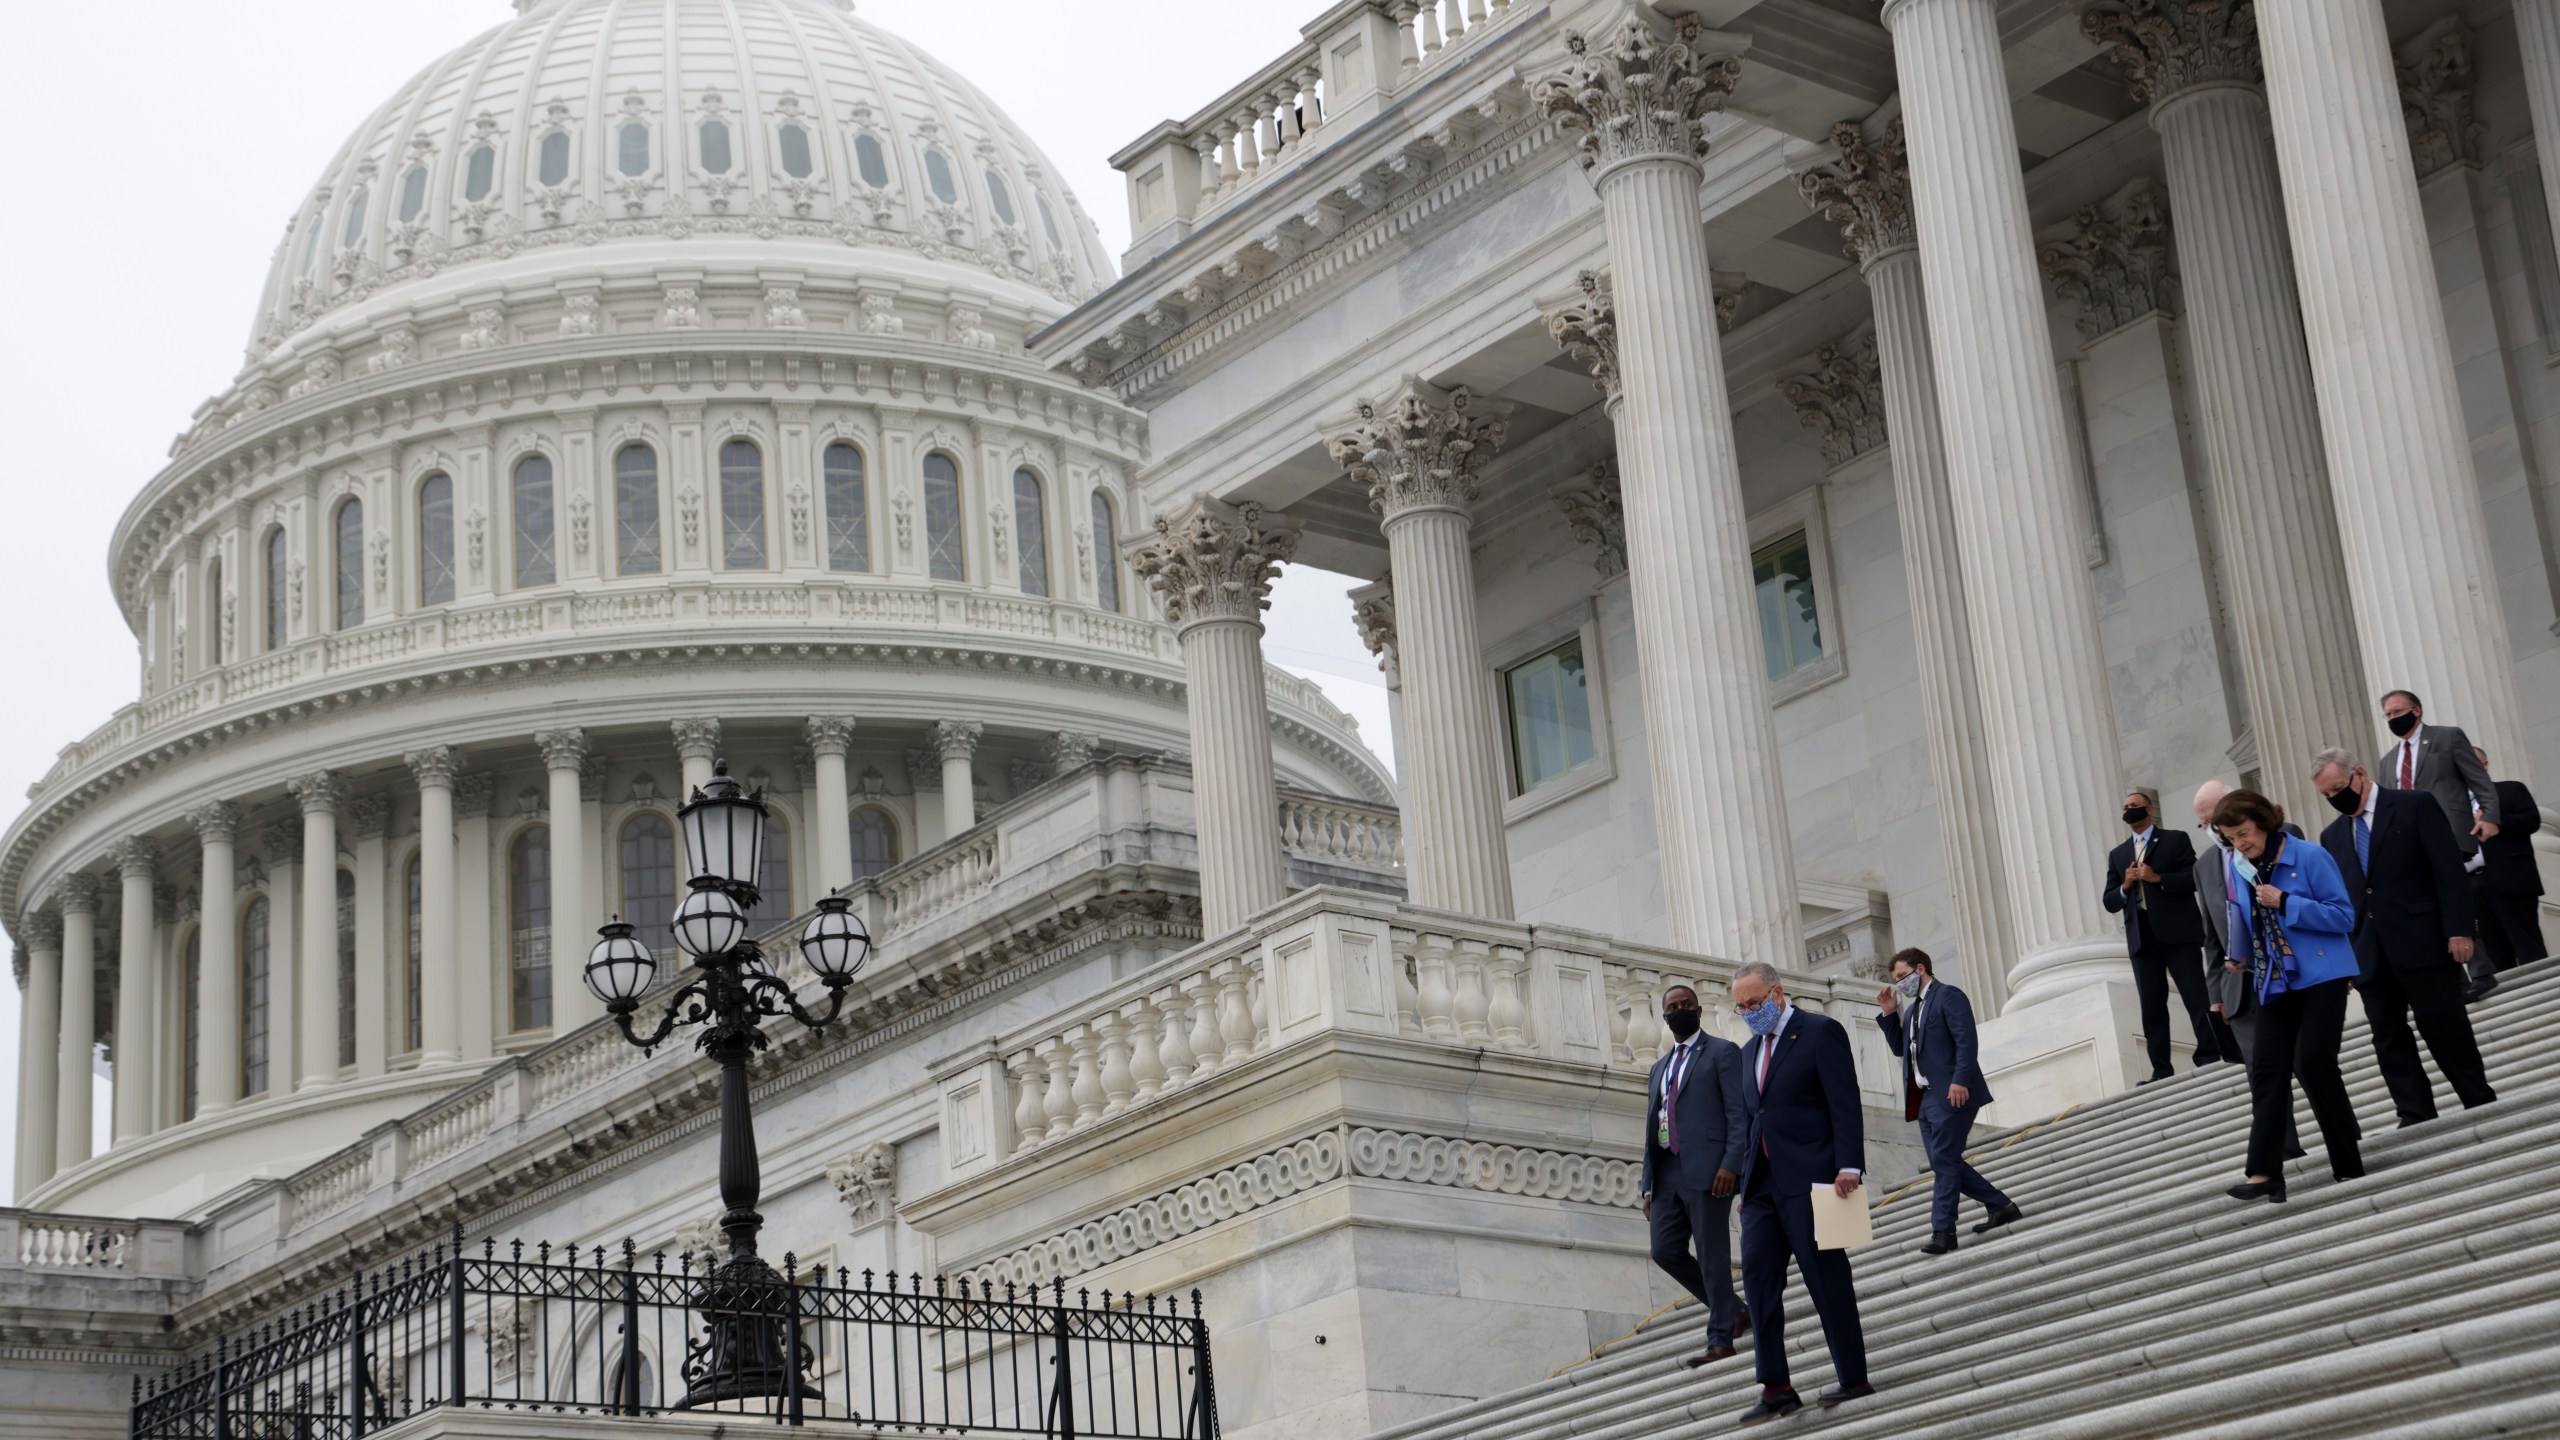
[2137, 1302]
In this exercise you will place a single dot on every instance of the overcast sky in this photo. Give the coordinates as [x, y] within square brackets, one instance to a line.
[149, 194]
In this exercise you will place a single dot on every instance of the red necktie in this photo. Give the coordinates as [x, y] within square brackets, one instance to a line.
[2408, 777]
[1768, 1048]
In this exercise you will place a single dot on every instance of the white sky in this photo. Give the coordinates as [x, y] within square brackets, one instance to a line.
[151, 192]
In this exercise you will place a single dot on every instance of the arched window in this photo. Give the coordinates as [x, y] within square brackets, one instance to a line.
[635, 509]
[213, 613]
[773, 876]
[715, 146]
[346, 968]
[945, 558]
[741, 506]
[413, 193]
[1048, 221]
[553, 166]
[534, 528]
[254, 934]
[278, 581]
[793, 141]
[875, 841]
[350, 564]
[1106, 554]
[529, 929]
[634, 144]
[937, 173]
[649, 879]
[871, 161]
[848, 509]
[999, 196]
[479, 173]
[354, 233]
[413, 914]
[194, 1005]
[1030, 533]
[435, 541]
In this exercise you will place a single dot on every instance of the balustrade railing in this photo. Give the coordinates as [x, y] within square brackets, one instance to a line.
[1341, 832]
[939, 880]
[62, 1242]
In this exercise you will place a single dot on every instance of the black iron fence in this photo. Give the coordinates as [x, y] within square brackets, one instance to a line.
[589, 1332]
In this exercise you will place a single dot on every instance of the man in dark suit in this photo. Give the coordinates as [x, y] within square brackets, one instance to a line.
[1806, 1130]
[1695, 1129]
[2151, 882]
[1942, 1088]
[2226, 976]
[2507, 888]
[2442, 761]
[2413, 932]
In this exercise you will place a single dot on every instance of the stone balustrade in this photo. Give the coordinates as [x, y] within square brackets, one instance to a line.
[1341, 832]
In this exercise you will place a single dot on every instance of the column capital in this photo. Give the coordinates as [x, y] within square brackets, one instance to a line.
[830, 734]
[215, 822]
[2435, 74]
[472, 793]
[1595, 510]
[697, 738]
[591, 772]
[370, 817]
[1214, 561]
[1421, 449]
[1068, 749]
[137, 857]
[1373, 611]
[434, 766]
[1839, 390]
[2167, 46]
[318, 791]
[2113, 257]
[1866, 191]
[957, 739]
[1643, 95]
[42, 930]
[1587, 328]
[562, 749]
[76, 893]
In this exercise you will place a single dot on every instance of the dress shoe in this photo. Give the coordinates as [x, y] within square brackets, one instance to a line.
[1772, 1404]
[2005, 1215]
[2270, 1190]
[1709, 1356]
[2473, 994]
[2161, 1075]
[1838, 1393]
[2345, 1164]
[2406, 1121]
[1941, 1242]
[1741, 1319]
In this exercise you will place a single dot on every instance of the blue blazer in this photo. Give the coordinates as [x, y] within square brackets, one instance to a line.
[2319, 916]
[1709, 1117]
[1944, 1050]
[1808, 1114]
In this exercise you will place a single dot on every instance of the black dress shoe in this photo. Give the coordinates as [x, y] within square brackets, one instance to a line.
[1709, 1356]
[2473, 994]
[2345, 1164]
[2005, 1215]
[1741, 1319]
[1771, 1405]
[1940, 1242]
[2270, 1190]
[1838, 1393]
[2161, 1075]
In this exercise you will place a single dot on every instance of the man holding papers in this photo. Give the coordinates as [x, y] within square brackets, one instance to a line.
[1800, 1090]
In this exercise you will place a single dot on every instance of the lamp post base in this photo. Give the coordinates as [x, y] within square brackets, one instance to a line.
[750, 1346]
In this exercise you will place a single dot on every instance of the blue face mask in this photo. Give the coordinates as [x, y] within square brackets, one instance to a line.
[1763, 1018]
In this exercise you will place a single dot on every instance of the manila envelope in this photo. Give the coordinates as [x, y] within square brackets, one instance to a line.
[1839, 1224]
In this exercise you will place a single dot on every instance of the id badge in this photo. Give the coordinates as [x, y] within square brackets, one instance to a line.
[1662, 1129]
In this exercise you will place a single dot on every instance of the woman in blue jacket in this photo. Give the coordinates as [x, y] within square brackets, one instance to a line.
[2290, 922]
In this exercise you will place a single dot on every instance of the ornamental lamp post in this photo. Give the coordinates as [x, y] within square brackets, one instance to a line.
[749, 1350]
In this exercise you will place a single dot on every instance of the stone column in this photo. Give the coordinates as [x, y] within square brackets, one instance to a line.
[1728, 865]
[1213, 564]
[137, 988]
[1868, 192]
[2284, 573]
[217, 828]
[829, 737]
[564, 758]
[483, 948]
[2538, 41]
[2047, 713]
[957, 743]
[439, 974]
[369, 817]
[75, 898]
[1419, 454]
[2408, 498]
[286, 882]
[40, 1058]
[319, 793]
[698, 747]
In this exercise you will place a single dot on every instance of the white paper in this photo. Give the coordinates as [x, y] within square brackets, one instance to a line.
[1840, 1223]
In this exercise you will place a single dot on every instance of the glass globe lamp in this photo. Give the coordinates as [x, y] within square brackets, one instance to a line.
[710, 922]
[620, 967]
[724, 830]
[835, 944]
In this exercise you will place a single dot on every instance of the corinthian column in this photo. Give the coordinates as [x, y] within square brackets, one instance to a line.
[217, 958]
[1419, 454]
[40, 1066]
[697, 749]
[2538, 40]
[564, 757]
[137, 988]
[1728, 866]
[2287, 580]
[1868, 192]
[2046, 711]
[319, 793]
[75, 898]
[1213, 564]
[439, 973]
[2416, 540]
[829, 737]
[956, 741]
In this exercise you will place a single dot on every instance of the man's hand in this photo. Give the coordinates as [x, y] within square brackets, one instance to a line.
[2234, 966]
[2459, 947]
[1957, 1095]
[2217, 1009]
[1888, 1000]
[1722, 1187]
[1648, 1207]
[1846, 1185]
[2484, 828]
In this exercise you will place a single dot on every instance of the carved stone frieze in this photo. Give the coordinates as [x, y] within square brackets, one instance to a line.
[216, 822]
[2166, 46]
[1595, 510]
[369, 817]
[1067, 749]
[318, 791]
[2435, 96]
[867, 1182]
[2114, 258]
[924, 770]
[1641, 95]
[1866, 191]
[697, 737]
[1840, 392]
[561, 749]
[957, 739]
[829, 734]
[782, 308]
[1373, 611]
[1214, 561]
[1422, 448]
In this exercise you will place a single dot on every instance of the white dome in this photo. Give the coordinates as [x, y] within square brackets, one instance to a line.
[786, 132]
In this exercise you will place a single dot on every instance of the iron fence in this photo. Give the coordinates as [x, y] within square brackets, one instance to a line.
[589, 1332]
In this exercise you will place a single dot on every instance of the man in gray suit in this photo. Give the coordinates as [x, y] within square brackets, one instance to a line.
[2226, 976]
[1695, 1133]
[2440, 760]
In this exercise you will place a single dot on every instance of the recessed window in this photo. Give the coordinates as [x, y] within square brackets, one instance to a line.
[1030, 533]
[944, 557]
[635, 510]
[213, 612]
[1790, 624]
[350, 564]
[529, 930]
[354, 233]
[794, 143]
[480, 173]
[435, 541]
[999, 196]
[277, 583]
[1106, 554]
[413, 193]
[413, 1025]
[848, 510]
[1048, 221]
[553, 166]
[773, 877]
[195, 1017]
[1550, 716]
[536, 533]
[256, 933]
[871, 161]
[715, 146]
[633, 149]
[346, 968]
[741, 506]
[875, 842]
[937, 173]
[649, 879]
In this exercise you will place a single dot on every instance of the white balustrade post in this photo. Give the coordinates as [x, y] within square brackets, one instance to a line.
[1474, 1003]
[137, 1070]
[217, 827]
[1208, 1049]
[1059, 1099]
[1030, 1076]
[1437, 993]
[1118, 1076]
[1174, 1017]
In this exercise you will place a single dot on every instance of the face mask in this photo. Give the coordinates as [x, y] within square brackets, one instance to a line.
[2134, 814]
[1683, 1023]
[1908, 987]
[1763, 1019]
[2345, 800]
[2403, 724]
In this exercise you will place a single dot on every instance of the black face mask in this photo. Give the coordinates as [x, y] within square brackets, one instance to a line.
[2345, 800]
[1683, 1023]
[2136, 814]
[2403, 724]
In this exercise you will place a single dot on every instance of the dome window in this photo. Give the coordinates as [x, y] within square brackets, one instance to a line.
[741, 506]
[848, 510]
[1030, 533]
[311, 247]
[354, 233]
[794, 141]
[635, 509]
[413, 193]
[435, 540]
[869, 159]
[634, 141]
[536, 532]
[1000, 197]
[350, 576]
[715, 146]
[1106, 554]
[479, 173]
[945, 558]
[555, 158]
[937, 173]
[1048, 221]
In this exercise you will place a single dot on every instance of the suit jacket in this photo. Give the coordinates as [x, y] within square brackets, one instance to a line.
[2161, 912]
[1807, 1114]
[2414, 896]
[1708, 1116]
[2510, 865]
[2450, 770]
[2227, 988]
[1943, 1049]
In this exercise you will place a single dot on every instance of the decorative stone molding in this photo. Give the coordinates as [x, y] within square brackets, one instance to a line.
[1727, 286]
[1841, 394]
[644, 788]
[215, 822]
[562, 749]
[697, 738]
[1021, 775]
[1068, 749]
[1642, 97]
[318, 791]
[370, 817]
[487, 329]
[867, 1182]
[399, 347]
[829, 734]
[75, 894]
[580, 315]
[1588, 330]
[924, 770]
[2166, 46]
[281, 842]
[1373, 612]
[43, 930]
[434, 766]
[681, 308]
[880, 316]
[1866, 191]
[137, 857]
[957, 739]
[2114, 258]
[472, 794]
[1422, 449]
[969, 329]
[1595, 510]
[1214, 561]
[2435, 97]
[782, 308]
[1498, 1169]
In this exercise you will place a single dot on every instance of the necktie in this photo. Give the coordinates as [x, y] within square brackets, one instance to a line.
[2408, 763]
[2141, 898]
[2364, 845]
[1768, 1048]
[1671, 1096]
